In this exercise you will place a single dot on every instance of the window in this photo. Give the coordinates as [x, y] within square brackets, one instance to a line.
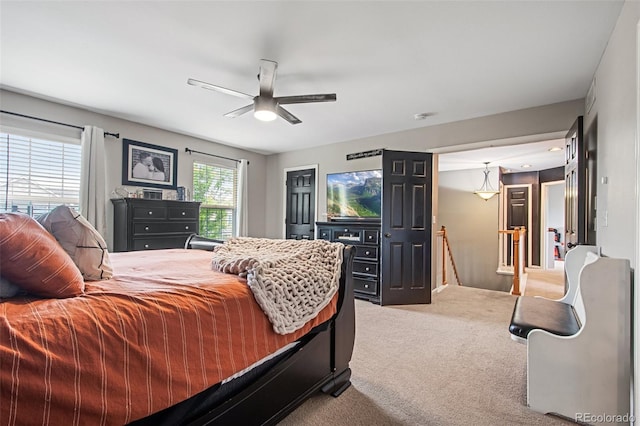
[36, 175]
[215, 187]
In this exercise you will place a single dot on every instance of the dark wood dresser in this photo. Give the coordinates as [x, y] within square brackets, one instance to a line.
[365, 236]
[141, 224]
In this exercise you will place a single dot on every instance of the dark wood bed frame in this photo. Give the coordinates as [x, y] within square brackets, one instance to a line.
[319, 363]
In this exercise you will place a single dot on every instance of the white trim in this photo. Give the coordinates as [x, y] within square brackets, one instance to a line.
[284, 198]
[518, 140]
[635, 367]
[19, 131]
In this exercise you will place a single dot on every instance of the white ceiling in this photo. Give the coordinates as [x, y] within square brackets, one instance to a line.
[386, 60]
[526, 157]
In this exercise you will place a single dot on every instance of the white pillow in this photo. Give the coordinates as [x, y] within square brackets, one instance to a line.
[80, 240]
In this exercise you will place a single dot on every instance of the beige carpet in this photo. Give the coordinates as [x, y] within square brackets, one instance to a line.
[448, 363]
[547, 283]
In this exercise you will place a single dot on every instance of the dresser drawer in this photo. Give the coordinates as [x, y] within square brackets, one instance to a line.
[159, 243]
[365, 286]
[150, 228]
[183, 213]
[366, 252]
[371, 236]
[365, 268]
[149, 212]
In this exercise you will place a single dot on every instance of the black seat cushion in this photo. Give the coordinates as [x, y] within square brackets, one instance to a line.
[531, 313]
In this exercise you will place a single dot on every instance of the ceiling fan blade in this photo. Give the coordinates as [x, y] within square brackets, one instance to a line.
[239, 111]
[287, 115]
[267, 77]
[303, 99]
[210, 86]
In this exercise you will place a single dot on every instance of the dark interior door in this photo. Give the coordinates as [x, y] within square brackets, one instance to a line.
[406, 227]
[301, 204]
[575, 186]
[518, 216]
[591, 181]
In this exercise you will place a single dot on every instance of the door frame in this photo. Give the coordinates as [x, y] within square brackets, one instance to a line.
[503, 216]
[286, 170]
[544, 200]
[636, 321]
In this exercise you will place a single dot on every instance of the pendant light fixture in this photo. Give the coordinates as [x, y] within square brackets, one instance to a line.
[486, 192]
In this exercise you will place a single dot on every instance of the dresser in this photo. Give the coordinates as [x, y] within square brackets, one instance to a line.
[365, 237]
[141, 224]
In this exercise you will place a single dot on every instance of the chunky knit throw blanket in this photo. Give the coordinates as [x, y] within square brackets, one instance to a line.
[292, 280]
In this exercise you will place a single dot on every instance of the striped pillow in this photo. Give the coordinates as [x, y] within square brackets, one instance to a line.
[31, 258]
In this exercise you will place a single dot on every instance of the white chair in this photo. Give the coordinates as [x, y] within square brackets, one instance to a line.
[587, 376]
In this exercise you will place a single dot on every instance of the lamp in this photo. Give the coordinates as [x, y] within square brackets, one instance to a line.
[264, 109]
[486, 192]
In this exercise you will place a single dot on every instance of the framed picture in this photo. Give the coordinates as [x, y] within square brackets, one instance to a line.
[149, 165]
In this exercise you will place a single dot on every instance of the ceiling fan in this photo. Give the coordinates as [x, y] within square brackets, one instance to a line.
[265, 106]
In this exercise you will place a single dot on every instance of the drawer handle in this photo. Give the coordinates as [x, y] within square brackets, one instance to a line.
[366, 286]
[186, 227]
[150, 213]
[367, 252]
[366, 269]
[146, 228]
[146, 246]
[184, 213]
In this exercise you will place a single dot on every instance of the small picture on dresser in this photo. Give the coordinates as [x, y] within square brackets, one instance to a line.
[144, 164]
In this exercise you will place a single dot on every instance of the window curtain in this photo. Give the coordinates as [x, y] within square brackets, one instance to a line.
[242, 215]
[93, 185]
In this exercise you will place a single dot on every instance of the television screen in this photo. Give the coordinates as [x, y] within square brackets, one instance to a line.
[354, 194]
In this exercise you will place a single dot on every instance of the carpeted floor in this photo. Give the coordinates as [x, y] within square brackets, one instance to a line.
[448, 363]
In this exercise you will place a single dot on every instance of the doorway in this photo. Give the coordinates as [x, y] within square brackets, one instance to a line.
[552, 249]
[473, 224]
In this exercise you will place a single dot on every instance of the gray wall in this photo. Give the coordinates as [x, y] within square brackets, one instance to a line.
[28, 105]
[616, 111]
[617, 96]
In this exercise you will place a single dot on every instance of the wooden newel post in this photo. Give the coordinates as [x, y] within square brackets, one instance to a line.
[516, 261]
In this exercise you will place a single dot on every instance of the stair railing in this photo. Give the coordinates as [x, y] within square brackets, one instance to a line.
[444, 249]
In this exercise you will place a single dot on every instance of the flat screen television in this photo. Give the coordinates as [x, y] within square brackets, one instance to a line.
[354, 195]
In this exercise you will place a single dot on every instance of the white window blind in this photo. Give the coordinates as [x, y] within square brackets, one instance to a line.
[36, 175]
[215, 187]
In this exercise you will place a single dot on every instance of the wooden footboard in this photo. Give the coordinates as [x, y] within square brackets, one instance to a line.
[321, 363]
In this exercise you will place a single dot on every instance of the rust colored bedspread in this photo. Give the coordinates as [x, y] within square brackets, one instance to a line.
[164, 328]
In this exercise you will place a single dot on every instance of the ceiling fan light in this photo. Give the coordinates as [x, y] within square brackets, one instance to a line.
[265, 115]
[264, 109]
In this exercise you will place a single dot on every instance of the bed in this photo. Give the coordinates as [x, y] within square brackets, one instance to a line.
[166, 340]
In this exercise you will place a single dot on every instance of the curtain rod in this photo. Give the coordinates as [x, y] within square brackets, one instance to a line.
[211, 155]
[115, 135]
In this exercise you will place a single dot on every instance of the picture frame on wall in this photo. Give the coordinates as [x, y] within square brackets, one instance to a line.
[145, 164]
